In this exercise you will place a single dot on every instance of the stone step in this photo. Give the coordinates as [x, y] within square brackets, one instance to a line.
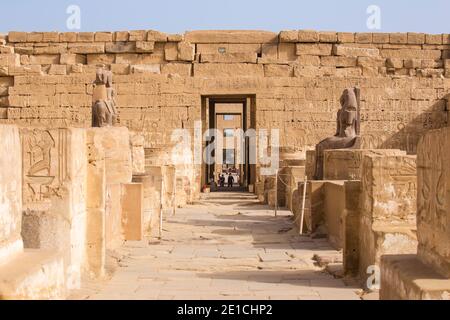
[33, 275]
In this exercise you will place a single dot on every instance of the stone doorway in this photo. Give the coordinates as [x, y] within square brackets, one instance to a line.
[232, 116]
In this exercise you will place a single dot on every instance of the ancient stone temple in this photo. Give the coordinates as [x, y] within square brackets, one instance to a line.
[107, 136]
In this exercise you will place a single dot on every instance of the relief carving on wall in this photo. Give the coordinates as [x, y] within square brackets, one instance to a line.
[432, 196]
[44, 164]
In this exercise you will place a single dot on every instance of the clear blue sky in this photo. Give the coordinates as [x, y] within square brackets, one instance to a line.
[176, 16]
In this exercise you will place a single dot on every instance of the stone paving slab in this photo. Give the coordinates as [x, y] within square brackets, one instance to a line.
[226, 246]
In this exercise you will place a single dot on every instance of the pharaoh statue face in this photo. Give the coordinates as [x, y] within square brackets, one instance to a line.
[348, 100]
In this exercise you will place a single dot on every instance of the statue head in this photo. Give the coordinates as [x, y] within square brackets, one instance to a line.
[348, 100]
[103, 77]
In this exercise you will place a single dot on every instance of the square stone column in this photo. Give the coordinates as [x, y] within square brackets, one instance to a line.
[426, 275]
[10, 193]
[109, 166]
[388, 211]
[433, 200]
[54, 194]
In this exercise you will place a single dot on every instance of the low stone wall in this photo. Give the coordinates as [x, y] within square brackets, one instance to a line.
[427, 274]
[24, 274]
[388, 211]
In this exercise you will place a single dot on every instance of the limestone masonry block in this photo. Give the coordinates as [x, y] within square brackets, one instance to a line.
[433, 203]
[100, 58]
[182, 69]
[15, 36]
[411, 54]
[146, 69]
[308, 60]
[138, 35]
[103, 37]
[320, 49]
[121, 36]
[433, 38]
[416, 38]
[50, 37]
[447, 68]
[156, 36]
[171, 51]
[33, 275]
[68, 37]
[120, 69]
[145, 46]
[175, 37]
[394, 63]
[393, 203]
[70, 58]
[289, 36]
[231, 36]
[186, 51]
[132, 211]
[398, 38]
[86, 48]
[35, 37]
[308, 36]
[338, 61]
[275, 70]
[364, 37]
[228, 70]
[85, 37]
[346, 37]
[380, 37]
[347, 51]
[120, 47]
[328, 36]
[57, 69]
[9, 60]
[10, 193]
[229, 58]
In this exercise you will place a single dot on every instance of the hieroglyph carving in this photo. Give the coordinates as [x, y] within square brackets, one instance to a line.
[44, 164]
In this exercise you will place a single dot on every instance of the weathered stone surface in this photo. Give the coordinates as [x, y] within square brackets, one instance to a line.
[320, 49]
[433, 201]
[186, 51]
[346, 164]
[10, 193]
[308, 36]
[228, 70]
[54, 195]
[405, 277]
[229, 58]
[346, 51]
[233, 36]
[289, 36]
[33, 275]
[389, 192]
[132, 198]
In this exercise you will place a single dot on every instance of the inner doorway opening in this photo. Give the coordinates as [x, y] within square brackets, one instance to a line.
[229, 169]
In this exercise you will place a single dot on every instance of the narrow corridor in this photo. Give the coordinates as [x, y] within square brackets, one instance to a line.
[226, 246]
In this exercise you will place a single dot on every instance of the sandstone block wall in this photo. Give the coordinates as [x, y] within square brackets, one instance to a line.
[388, 211]
[297, 77]
[433, 200]
[54, 194]
[10, 193]
[426, 275]
[346, 164]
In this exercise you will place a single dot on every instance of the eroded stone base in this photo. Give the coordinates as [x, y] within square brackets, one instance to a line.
[404, 277]
[33, 275]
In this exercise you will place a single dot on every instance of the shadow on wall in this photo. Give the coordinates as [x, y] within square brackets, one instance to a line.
[409, 132]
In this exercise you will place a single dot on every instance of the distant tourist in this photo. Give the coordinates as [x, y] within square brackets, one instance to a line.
[230, 180]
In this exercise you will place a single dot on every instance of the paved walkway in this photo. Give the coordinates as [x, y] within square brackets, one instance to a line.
[226, 246]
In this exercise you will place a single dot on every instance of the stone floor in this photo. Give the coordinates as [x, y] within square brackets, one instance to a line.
[226, 246]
